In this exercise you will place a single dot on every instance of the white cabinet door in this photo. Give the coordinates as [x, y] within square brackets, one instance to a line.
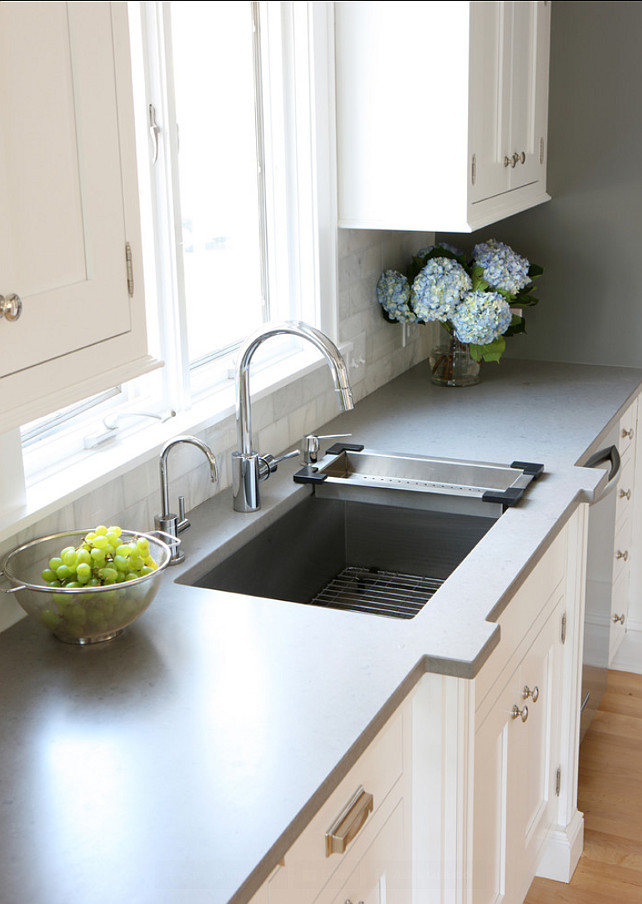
[67, 167]
[441, 112]
[516, 760]
[509, 97]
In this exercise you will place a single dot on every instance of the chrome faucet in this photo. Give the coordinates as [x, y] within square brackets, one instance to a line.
[167, 521]
[248, 466]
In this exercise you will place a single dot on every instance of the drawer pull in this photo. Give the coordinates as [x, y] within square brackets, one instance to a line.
[534, 693]
[517, 713]
[617, 618]
[622, 555]
[627, 433]
[349, 822]
[625, 494]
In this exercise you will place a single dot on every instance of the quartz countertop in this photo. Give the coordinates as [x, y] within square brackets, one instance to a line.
[177, 763]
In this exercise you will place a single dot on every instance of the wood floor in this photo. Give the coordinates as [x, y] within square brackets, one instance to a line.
[610, 796]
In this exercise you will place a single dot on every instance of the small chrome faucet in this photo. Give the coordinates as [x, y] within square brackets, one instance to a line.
[248, 466]
[167, 521]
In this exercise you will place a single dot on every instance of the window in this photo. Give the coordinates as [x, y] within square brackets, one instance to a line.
[237, 192]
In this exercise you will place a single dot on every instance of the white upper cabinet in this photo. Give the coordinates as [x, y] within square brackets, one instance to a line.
[68, 192]
[441, 112]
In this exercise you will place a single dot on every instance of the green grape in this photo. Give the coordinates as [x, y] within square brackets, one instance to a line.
[55, 563]
[142, 545]
[101, 530]
[83, 572]
[84, 556]
[98, 556]
[123, 550]
[63, 572]
[48, 575]
[101, 542]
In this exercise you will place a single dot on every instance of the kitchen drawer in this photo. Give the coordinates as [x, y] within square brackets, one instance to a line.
[524, 615]
[307, 866]
[619, 611]
[625, 488]
[628, 429]
[622, 547]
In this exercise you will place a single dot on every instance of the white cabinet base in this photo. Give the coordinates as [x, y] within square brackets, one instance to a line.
[563, 850]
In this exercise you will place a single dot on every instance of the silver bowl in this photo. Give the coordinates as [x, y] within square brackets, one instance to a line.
[80, 615]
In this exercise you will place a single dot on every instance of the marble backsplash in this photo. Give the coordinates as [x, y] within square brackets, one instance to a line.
[281, 418]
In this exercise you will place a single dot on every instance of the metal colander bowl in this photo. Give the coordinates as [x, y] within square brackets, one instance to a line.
[80, 615]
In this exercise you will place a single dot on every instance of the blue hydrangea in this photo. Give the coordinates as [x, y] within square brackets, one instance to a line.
[393, 294]
[481, 317]
[438, 289]
[502, 267]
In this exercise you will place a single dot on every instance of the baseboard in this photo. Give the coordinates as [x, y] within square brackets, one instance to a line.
[563, 850]
[629, 655]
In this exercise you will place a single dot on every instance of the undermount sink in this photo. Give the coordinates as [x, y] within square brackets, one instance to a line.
[379, 533]
[381, 559]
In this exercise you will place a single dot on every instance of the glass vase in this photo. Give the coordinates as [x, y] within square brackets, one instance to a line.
[451, 363]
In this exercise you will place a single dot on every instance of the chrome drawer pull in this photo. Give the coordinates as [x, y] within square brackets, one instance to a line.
[534, 693]
[617, 618]
[349, 822]
[517, 713]
[622, 555]
[10, 306]
[625, 494]
[627, 433]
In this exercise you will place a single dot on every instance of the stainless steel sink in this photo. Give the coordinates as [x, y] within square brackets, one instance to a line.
[379, 533]
[379, 559]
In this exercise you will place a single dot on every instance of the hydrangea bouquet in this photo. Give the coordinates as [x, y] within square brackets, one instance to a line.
[472, 298]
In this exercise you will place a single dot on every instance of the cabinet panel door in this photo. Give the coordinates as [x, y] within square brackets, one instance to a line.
[489, 108]
[62, 246]
[529, 91]
[535, 753]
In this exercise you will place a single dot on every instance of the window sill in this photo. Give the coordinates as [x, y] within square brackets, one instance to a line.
[96, 467]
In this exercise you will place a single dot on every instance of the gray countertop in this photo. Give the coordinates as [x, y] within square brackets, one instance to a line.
[176, 764]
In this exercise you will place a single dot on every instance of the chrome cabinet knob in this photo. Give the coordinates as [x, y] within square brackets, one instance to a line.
[618, 619]
[534, 693]
[10, 306]
[625, 494]
[622, 554]
[517, 713]
[627, 434]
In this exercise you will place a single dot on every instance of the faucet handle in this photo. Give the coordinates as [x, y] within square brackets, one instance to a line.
[311, 449]
[268, 463]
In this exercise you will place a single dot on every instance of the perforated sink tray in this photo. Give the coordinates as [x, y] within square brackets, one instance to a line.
[504, 484]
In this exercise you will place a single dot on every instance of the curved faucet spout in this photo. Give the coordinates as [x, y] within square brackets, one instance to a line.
[327, 348]
[246, 460]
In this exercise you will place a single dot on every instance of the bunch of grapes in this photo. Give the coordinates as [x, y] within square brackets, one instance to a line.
[100, 559]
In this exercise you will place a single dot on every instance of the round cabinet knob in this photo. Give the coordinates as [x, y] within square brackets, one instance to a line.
[622, 554]
[517, 713]
[10, 306]
[627, 434]
[534, 693]
[617, 619]
[625, 494]
[514, 160]
[522, 158]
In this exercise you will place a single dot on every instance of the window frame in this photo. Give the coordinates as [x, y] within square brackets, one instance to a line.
[316, 151]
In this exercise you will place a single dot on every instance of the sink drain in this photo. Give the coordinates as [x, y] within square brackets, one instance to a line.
[377, 592]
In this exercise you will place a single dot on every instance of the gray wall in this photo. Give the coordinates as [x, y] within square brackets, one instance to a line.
[589, 236]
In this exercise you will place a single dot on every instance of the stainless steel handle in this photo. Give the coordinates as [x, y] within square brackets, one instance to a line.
[622, 554]
[618, 618]
[268, 463]
[311, 445]
[349, 822]
[625, 494]
[10, 306]
[534, 693]
[517, 713]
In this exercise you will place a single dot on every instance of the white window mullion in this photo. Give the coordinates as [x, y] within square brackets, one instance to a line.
[172, 318]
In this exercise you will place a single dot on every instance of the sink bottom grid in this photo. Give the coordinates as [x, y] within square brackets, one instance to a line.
[377, 592]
